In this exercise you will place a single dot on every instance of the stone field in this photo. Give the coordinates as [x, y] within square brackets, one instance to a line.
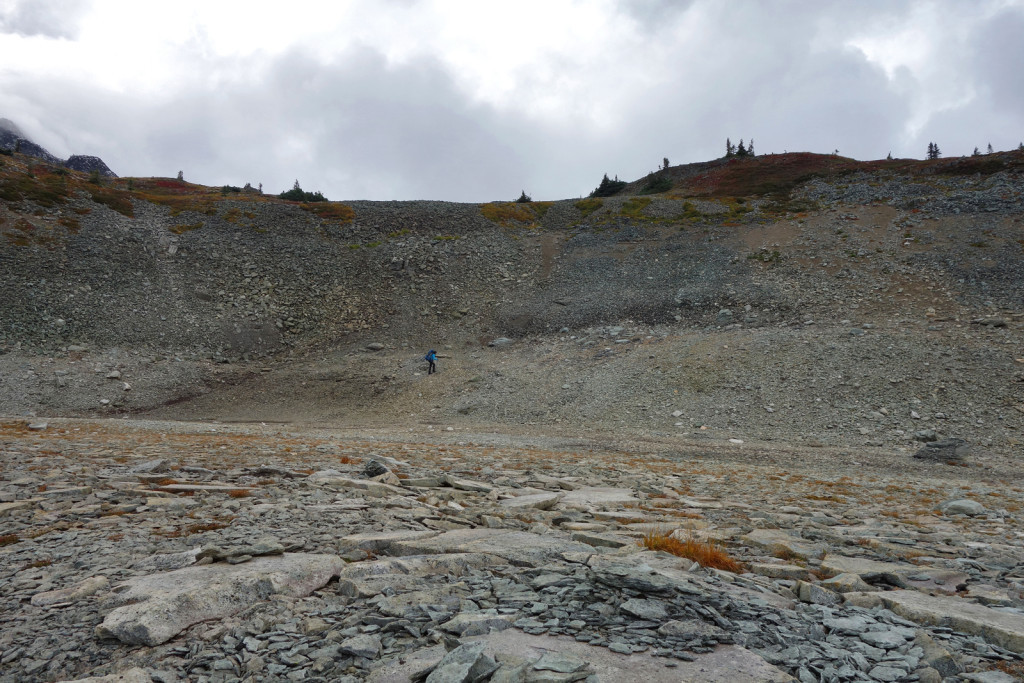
[160, 551]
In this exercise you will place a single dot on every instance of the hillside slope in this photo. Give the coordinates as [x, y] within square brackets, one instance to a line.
[793, 297]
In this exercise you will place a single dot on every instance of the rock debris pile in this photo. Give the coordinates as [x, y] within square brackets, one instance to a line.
[172, 552]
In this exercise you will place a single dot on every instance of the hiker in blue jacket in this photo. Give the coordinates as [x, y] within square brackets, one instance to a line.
[430, 358]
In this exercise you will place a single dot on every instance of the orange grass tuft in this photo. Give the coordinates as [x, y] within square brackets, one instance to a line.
[705, 553]
[239, 493]
[8, 539]
[208, 526]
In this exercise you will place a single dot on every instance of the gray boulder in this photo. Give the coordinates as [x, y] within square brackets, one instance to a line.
[944, 450]
[964, 506]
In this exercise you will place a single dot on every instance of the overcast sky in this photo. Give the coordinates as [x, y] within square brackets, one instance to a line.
[475, 100]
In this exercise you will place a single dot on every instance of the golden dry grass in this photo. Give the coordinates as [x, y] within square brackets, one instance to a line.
[705, 553]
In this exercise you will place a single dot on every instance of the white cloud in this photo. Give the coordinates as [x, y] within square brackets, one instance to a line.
[457, 99]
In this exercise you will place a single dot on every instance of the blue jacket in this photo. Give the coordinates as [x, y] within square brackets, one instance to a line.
[430, 357]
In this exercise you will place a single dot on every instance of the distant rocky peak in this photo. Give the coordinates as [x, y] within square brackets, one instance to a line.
[88, 164]
[12, 138]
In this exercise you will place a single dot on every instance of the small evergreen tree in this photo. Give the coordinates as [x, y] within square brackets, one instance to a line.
[990, 148]
[975, 153]
[933, 151]
[889, 156]
[730, 149]
[741, 151]
[181, 175]
[296, 194]
[664, 162]
[524, 198]
[608, 187]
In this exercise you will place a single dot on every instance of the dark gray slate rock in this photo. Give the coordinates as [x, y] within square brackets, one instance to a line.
[944, 450]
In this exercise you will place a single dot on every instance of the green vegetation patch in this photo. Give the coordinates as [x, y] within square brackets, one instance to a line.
[634, 208]
[589, 206]
[509, 213]
[541, 208]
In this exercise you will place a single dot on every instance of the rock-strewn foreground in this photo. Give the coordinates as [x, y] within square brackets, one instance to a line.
[158, 551]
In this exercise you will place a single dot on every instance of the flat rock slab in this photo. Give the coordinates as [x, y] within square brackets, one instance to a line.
[133, 675]
[70, 491]
[781, 571]
[199, 488]
[597, 496]
[372, 488]
[602, 540]
[72, 594]
[537, 501]
[367, 579]
[727, 664]
[1004, 629]
[8, 508]
[775, 541]
[150, 610]
[926, 579]
[516, 547]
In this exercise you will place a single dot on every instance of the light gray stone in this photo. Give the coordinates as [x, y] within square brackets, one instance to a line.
[650, 610]
[847, 583]
[461, 665]
[82, 590]
[477, 623]
[964, 506]
[887, 640]
[782, 544]
[364, 645]
[151, 610]
[133, 675]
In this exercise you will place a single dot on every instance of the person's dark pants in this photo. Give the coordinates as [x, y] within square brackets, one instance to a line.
[432, 369]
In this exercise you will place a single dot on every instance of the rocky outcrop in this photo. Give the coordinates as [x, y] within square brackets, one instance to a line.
[89, 164]
[12, 139]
